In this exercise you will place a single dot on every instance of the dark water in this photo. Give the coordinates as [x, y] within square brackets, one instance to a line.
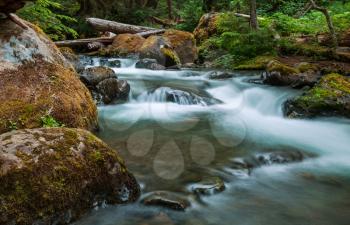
[169, 143]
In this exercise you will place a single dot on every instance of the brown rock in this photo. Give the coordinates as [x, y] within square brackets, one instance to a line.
[36, 80]
[184, 45]
[207, 27]
[54, 175]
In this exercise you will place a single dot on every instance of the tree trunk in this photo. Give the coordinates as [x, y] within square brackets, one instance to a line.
[253, 15]
[81, 42]
[115, 27]
[170, 9]
[329, 22]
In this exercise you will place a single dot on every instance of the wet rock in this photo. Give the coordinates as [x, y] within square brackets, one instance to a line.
[150, 64]
[55, 175]
[157, 47]
[208, 186]
[166, 199]
[94, 75]
[124, 45]
[104, 84]
[206, 27]
[184, 44]
[279, 157]
[35, 79]
[70, 55]
[330, 97]
[278, 74]
[219, 75]
[110, 62]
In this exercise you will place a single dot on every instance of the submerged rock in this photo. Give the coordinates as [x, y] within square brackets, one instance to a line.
[150, 64]
[166, 199]
[219, 75]
[36, 80]
[208, 186]
[330, 97]
[166, 94]
[55, 175]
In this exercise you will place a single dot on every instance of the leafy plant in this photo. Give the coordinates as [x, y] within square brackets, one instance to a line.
[49, 121]
[45, 14]
[12, 125]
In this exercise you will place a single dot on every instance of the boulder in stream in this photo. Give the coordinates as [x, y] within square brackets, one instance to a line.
[208, 186]
[150, 64]
[159, 48]
[124, 45]
[330, 97]
[36, 80]
[166, 199]
[55, 175]
[104, 84]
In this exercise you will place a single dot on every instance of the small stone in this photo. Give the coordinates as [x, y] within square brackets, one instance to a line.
[208, 186]
[166, 199]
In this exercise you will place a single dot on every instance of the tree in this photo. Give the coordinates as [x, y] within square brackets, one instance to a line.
[329, 21]
[253, 15]
[170, 9]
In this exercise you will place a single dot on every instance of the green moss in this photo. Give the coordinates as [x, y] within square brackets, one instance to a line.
[305, 67]
[258, 63]
[170, 54]
[279, 67]
[325, 95]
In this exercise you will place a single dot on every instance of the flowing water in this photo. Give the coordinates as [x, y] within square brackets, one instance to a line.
[178, 127]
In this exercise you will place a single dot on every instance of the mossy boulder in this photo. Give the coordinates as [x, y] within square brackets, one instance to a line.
[330, 97]
[36, 80]
[257, 63]
[54, 175]
[207, 27]
[279, 74]
[184, 44]
[157, 47]
[124, 45]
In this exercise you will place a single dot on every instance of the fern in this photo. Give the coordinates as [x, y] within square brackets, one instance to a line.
[43, 13]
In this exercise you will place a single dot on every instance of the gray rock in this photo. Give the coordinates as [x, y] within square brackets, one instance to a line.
[166, 199]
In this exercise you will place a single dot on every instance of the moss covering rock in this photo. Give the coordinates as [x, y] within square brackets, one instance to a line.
[258, 63]
[124, 45]
[330, 97]
[36, 81]
[54, 175]
[159, 48]
[184, 44]
[207, 27]
[279, 74]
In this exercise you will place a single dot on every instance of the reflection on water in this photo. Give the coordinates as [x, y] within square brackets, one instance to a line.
[170, 146]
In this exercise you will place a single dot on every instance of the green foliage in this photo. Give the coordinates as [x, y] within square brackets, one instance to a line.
[45, 14]
[48, 121]
[12, 125]
[191, 13]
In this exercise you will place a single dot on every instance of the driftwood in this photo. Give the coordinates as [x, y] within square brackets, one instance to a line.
[115, 27]
[91, 43]
[80, 42]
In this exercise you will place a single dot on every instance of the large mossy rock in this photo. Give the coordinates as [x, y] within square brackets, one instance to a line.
[124, 45]
[159, 48]
[330, 97]
[279, 74]
[184, 44]
[54, 175]
[206, 27]
[36, 80]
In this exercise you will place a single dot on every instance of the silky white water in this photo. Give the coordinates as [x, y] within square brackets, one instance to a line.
[169, 144]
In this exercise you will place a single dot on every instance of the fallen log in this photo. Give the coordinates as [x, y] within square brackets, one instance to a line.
[80, 42]
[115, 27]
[146, 34]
